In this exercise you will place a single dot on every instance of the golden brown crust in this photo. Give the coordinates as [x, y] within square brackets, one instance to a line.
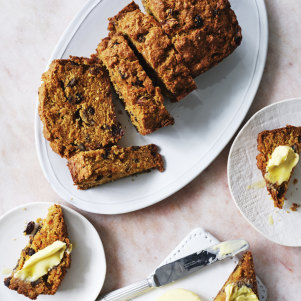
[203, 32]
[243, 274]
[141, 99]
[92, 168]
[147, 36]
[51, 229]
[267, 141]
[76, 106]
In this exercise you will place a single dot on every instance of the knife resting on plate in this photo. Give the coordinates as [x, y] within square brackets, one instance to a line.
[178, 269]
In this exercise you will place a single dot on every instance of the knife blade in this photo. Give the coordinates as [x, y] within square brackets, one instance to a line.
[178, 269]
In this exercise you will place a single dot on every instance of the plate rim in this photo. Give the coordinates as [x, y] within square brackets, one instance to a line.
[228, 168]
[201, 165]
[101, 277]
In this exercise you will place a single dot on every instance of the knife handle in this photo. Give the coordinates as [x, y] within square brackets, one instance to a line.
[130, 291]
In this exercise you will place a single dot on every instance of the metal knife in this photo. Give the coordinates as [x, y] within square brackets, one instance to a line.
[178, 269]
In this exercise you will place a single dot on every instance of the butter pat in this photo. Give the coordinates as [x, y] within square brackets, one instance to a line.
[41, 262]
[229, 247]
[179, 294]
[243, 293]
[281, 164]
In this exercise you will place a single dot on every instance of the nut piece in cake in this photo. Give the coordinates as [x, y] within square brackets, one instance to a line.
[148, 38]
[279, 153]
[75, 106]
[241, 284]
[204, 32]
[43, 262]
[142, 101]
[92, 168]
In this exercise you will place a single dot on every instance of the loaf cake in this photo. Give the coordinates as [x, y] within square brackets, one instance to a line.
[92, 168]
[142, 101]
[147, 37]
[75, 106]
[204, 32]
[279, 151]
[241, 283]
[51, 233]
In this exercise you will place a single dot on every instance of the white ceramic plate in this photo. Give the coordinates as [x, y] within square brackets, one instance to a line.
[86, 275]
[246, 182]
[204, 121]
[206, 282]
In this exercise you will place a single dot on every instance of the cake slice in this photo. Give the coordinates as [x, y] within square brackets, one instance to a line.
[279, 153]
[204, 32]
[150, 41]
[76, 108]
[92, 168]
[49, 248]
[142, 101]
[241, 282]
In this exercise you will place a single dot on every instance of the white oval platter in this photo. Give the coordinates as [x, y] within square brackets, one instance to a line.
[205, 120]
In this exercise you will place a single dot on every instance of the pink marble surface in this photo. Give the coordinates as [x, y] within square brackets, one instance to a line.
[136, 242]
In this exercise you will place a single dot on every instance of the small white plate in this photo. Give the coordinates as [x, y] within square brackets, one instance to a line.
[86, 275]
[246, 183]
[206, 282]
[205, 120]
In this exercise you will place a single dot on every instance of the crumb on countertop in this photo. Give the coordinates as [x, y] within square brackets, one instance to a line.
[295, 206]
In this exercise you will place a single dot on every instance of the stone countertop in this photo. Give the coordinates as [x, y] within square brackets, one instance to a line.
[29, 33]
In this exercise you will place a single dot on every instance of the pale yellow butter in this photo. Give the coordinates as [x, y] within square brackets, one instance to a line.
[41, 262]
[243, 293]
[227, 247]
[281, 164]
[179, 294]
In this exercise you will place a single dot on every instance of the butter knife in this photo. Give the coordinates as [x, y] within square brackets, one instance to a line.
[178, 269]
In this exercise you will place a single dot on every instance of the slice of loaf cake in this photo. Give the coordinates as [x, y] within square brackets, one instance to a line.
[241, 283]
[204, 32]
[142, 101]
[76, 106]
[279, 153]
[92, 168]
[43, 262]
[150, 41]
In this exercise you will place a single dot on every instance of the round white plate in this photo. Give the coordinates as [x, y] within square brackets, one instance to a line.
[205, 120]
[246, 183]
[86, 275]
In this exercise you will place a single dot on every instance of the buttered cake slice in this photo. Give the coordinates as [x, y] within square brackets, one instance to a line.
[43, 262]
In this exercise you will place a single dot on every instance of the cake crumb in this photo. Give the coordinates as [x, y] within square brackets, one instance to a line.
[295, 207]
[295, 181]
